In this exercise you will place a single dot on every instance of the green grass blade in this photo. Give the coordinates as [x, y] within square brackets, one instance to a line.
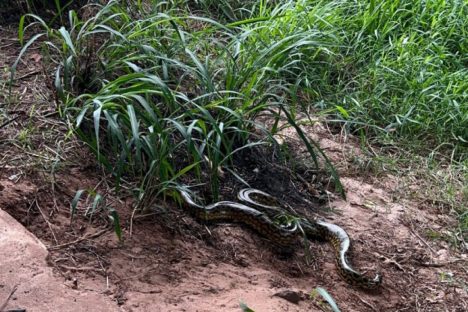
[114, 217]
[74, 204]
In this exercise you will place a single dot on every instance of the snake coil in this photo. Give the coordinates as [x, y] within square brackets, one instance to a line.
[261, 221]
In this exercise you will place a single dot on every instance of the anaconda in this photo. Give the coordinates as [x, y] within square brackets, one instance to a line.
[261, 220]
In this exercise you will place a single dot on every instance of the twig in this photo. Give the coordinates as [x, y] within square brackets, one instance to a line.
[46, 220]
[55, 152]
[6, 46]
[390, 260]
[367, 303]
[72, 268]
[147, 215]
[9, 122]
[2, 307]
[35, 155]
[78, 240]
[422, 240]
[440, 264]
[50, 114]
[28, 74]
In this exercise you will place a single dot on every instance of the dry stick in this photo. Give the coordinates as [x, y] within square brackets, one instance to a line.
[441, 264]
[2, 307]
[46, 220]
[367, 303]
[82, 269]
[147, 215]
[389, 260]
[6, 46]
[78, 240]
[9, 122]
[422, 240]
[31, 73]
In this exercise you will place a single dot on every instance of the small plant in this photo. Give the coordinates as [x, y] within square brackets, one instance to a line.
[98, 204]
[24, 137]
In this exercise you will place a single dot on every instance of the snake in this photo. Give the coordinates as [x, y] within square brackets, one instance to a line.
[262, 220]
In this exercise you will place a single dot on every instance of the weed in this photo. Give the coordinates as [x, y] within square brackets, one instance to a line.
[98, 202]
[24, 137]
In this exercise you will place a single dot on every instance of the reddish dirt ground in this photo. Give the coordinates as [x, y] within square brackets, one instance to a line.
[169, 262]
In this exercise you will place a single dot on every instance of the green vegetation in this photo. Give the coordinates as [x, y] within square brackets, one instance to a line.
[162, 89]
[399, 66]
[166, 88]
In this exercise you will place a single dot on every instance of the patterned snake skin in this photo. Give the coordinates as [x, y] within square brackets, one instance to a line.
[261, 220]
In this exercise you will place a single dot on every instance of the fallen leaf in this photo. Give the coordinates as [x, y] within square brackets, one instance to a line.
[36, 57]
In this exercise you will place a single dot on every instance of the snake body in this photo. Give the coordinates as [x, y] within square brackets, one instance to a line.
[261, 220]
[231, 211]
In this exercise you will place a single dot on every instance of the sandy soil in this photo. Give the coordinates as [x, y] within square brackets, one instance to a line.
[169, 262]
[28, 282]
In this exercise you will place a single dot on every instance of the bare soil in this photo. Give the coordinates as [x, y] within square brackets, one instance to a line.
[170, 262]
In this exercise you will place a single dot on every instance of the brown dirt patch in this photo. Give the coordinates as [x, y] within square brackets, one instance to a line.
[169, 262]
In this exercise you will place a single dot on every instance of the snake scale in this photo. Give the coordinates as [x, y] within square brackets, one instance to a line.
[261, 219]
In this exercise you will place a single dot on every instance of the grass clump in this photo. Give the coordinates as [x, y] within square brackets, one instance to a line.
[157, 94]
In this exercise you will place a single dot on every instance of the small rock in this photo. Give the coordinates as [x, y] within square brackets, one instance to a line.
[72, 283]
[290, 295]
[137, 250]
[14, 178]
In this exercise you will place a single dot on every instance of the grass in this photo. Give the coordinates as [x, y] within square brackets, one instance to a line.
[395, 70]
[152, 100]
[441, 187]
[162, 90]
